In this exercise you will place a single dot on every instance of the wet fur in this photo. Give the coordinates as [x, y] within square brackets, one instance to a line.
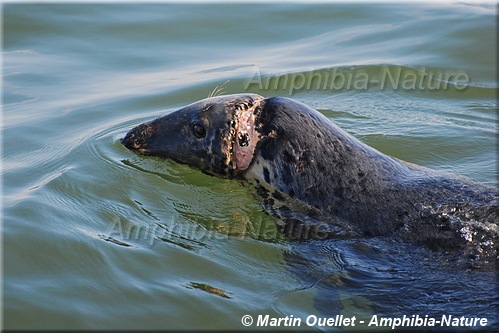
[305, 155]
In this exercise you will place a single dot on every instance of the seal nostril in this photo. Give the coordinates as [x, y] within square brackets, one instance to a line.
[138, 136]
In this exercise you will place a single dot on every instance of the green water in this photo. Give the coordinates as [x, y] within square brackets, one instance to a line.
[97, 237]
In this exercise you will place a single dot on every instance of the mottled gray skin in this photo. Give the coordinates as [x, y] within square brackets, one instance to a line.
[293, 153]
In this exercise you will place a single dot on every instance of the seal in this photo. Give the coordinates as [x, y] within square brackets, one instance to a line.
[293, 154]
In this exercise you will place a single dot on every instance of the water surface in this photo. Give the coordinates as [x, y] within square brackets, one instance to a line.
[97, 237]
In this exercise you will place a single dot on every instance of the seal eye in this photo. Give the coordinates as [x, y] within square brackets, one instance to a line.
[199, 131]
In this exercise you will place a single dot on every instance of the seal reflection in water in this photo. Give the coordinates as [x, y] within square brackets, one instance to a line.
[292, 153]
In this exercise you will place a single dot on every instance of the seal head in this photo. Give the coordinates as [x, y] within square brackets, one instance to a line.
[216, 135]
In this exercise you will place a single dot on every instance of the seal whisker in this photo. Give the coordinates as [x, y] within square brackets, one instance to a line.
[219, 90]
